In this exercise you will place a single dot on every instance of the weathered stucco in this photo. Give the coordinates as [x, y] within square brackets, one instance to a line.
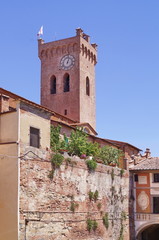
[9, 176]
[45, 203]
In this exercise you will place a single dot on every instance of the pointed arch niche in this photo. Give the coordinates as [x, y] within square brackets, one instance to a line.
[66, 82]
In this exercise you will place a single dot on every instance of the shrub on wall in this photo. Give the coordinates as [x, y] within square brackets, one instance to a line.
[73, 206]
[79, 145]
[57, 160]
[91, 164]
[110, 155]
[77, 142]
[91, 224]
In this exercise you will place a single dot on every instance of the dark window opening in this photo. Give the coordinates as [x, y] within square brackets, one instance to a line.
[136, 177]
[65, 112]
[155, 204]
[156, 177]
[86, 130]
[53, 85]
[66, 83]
[87, 87]
[34, 137]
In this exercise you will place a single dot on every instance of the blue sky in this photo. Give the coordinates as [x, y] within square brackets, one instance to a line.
[127, 73]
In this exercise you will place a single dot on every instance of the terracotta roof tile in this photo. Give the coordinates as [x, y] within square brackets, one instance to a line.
[147, 164]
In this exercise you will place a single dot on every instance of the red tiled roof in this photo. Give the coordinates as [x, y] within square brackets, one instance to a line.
[119, 143]
[147, 164]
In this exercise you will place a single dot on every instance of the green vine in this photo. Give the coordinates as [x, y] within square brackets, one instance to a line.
[56, 161]
[96, 195]
[93, 195]
[73, 206]
[91, 224]
[106, 220]
[121, 172]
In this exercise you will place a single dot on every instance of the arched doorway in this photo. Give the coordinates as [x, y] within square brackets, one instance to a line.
[149, 233]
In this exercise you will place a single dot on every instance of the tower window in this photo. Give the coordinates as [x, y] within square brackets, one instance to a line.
[87, 86]
[66, 83]
[65, 112]
[34, 137]
[53, 85]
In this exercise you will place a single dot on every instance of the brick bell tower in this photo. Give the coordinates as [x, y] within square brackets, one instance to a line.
[68, 77]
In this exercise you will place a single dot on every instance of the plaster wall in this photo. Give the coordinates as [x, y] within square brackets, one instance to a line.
[31, 119]
[9, 127]
[9, 192]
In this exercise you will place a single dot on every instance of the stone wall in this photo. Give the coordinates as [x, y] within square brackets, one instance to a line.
[58, 208]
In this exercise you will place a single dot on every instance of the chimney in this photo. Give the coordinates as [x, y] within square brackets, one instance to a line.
[4, 103]
[147, 153]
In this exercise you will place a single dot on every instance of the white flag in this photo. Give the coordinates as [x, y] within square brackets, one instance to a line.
[40, 31]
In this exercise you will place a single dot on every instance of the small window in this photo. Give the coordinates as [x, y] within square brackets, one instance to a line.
[34, 137]
[156, 177]
[155, 204]
[53, 85]
[66, 87]
[136, 177]
[65, 112]
[86, 130]
[87, 87]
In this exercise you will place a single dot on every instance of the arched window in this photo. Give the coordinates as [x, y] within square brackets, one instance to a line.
[66, 85]
[53, 85]
[87, 86]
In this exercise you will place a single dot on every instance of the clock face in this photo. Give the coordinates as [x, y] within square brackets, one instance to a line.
[67, 62]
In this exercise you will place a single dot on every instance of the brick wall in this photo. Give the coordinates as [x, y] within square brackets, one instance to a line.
[45, 203]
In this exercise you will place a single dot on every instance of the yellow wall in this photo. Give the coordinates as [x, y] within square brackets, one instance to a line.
[9, 127]
[8, 192]
[9, 176]
[31, 120]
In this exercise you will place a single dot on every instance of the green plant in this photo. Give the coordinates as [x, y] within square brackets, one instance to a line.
[56, 160]
[64, 143]
[110, 155]
[99, 205]
[106, 220]
[73, 206]
[91, 195]
[122, 172]
[95, 195]
[91, 164]
[92, 149]
[95, 225]
[55, 138]
[77, 142]
[89, 224]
